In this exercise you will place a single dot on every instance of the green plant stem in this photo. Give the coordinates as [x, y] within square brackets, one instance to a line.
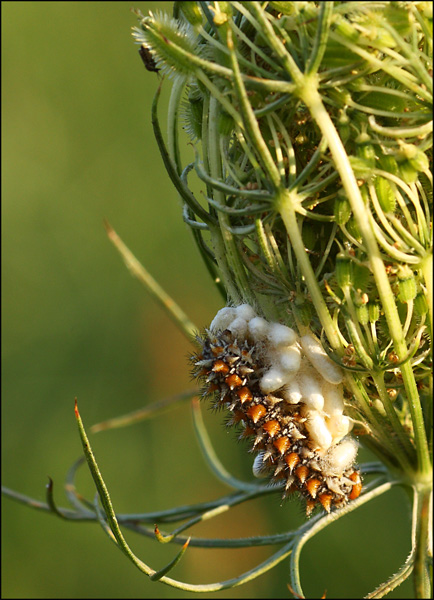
[211, 457]
[422, 525]
[427, 271]
[381, 442]
[356, 335]
[265, 566]
[393, 582]
[172, 121]
[216, 237]
[301, 540]
[142, 414]
[285, 204]
[408, 451]
[175, 312]
[216, 172]
[312, 99]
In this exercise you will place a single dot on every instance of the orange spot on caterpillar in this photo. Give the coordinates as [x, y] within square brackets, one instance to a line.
[244, 394]
[272, 427]
[357, 487]
[326, 501]
[234, 381]
[282, 444]
[292, 460]
[312, 486]
[256, 412]
[302, 472]
[220, 366]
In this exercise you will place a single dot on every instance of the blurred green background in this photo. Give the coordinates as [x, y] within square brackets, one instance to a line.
[77, 148]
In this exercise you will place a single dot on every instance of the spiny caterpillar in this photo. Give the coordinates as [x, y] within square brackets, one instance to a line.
[287, 394]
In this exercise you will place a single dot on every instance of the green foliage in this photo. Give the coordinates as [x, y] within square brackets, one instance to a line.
[312, 134]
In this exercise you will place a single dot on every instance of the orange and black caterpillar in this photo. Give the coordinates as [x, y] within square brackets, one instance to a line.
[231, 373]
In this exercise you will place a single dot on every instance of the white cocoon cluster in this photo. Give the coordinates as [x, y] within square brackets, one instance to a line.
[258, 328]
[272, 380]
[289, 358]
[245, 311]
[291, 392]
[311, 391]
[301, 371]
[238, 328]
[339, 426]
[320, 436]
[339, 457]
[281, 335]
[333, 399]
[320, 360]
[223, 318]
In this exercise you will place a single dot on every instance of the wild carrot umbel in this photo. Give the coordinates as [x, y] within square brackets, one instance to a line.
[311, 124]
[311, 130]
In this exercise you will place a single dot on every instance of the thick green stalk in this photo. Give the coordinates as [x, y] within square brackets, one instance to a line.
[427, 270]
[285, 204]
[422, 525]
[310, 95]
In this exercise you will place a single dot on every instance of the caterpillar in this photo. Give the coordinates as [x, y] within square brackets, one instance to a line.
[287, 395]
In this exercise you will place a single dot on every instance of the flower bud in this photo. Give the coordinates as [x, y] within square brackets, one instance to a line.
[362, 313]
[353, 228]
[420, 304]
[388, 163]
[407, 288]
[361, 166]
[344, 271]
[346, 29]
[420, 161]
[365, 150]
[407, 172]
[192, 13]
[374, 311]
[385, 194]
[342, 210]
